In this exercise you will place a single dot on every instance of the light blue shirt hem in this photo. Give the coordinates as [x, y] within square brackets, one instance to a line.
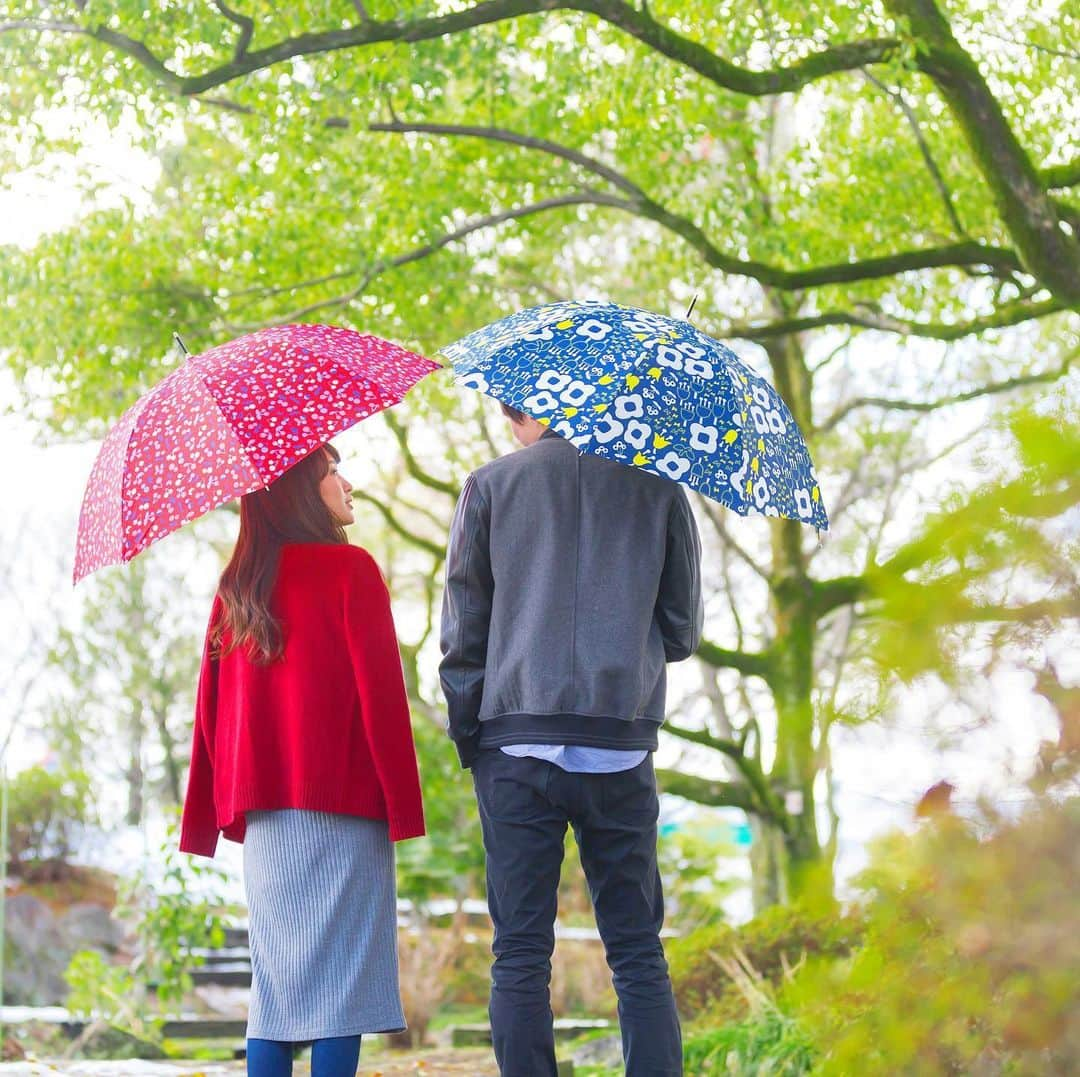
[580, 759]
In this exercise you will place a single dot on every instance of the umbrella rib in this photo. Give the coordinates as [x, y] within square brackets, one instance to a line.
[225, 419]
[135, 540]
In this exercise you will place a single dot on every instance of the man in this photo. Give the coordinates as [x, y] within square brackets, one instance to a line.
[570, 581]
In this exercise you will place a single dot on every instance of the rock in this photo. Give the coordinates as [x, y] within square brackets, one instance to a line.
[39, 945]
[113, 1044]
[88, 926]
[36, 953]
[605, 1051]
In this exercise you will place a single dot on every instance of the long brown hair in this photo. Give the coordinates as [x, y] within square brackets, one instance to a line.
[290, 509]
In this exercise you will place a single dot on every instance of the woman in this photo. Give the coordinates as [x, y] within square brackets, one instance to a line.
[303, 751]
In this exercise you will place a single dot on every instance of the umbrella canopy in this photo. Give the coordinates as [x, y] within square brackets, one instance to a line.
[651, 392]
[227, 422]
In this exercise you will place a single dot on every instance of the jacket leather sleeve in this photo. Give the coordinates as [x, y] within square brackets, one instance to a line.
[466, 618]
[680, 611]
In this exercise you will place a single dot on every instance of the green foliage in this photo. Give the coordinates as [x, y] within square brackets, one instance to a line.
[48, 811]
[691, 161]
[971, 962]
[767, 1044]
[1003, 552]
[109, 993]
[690, 859]
[449, 861]
[124, 673]
[170, 922]
[773, 943]
[275, 199]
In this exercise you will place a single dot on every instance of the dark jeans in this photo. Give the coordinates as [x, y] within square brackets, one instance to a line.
[525, 806]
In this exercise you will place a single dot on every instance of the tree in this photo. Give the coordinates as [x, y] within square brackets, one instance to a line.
[128, 669]
[839, 179]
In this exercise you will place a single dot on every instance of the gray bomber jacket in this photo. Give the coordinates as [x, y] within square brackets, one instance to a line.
[570, 581]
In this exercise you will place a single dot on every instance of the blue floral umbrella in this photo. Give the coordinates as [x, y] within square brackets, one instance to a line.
[650, 392]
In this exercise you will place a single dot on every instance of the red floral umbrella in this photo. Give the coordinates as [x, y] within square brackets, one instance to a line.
[227, 422]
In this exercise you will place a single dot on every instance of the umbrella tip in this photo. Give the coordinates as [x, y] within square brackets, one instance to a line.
[690, 309]
[181, 345]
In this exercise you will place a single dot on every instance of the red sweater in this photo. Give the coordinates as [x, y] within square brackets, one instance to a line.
[325, 727]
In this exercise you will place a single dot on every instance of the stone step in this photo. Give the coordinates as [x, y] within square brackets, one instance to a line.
[206, 975]
[566, 1028]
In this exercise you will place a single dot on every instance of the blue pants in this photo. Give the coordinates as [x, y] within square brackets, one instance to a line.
[335, 1057]
[525, 807]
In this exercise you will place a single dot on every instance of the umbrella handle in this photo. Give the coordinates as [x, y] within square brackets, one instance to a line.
[183, 347]
[689, 309]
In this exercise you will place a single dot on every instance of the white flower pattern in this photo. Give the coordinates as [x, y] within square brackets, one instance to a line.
[652, 392]
[229, 421]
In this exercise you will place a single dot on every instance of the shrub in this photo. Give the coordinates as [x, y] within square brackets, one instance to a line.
[972, 957]
[768, 1042]
[778, 939]
[170, 923]
[47, 813]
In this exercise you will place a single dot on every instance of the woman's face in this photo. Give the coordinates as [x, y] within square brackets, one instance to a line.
[335, 491]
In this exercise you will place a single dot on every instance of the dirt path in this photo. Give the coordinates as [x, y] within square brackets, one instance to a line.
[470, 1062]
[440, 1063]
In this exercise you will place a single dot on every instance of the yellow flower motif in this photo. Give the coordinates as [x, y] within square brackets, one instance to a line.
[760, 444]
[545, 421]
[755, 465]
[632, 380]
[607, 379]
[815, 494]
[655, 372]
[569, 412]
[730, 436]
[600, 407]
[747, 398]
[564, 325]
[639, 336]
[659, 442]
[749, 486]
[639, 459]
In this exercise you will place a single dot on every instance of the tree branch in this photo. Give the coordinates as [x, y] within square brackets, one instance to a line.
[638, 23]
[412, 466]
[1055, 177]
[1030, 216]
[924, 148]
[246, 24]
[829, 595]
[760, 664]
[993, 389]
[715, 516]
[707, 791]
[1002, 318]
[501, 134]
[399, 528]
[765, 799]
[583, 198]
[968, 253]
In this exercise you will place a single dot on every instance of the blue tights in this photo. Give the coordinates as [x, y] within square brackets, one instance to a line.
[334, 1057]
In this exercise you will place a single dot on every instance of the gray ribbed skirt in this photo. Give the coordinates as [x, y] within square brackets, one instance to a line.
[322, 908]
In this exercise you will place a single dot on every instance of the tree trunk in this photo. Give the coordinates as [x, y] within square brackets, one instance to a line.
[168, 747]
[806, 874]
[134, 774]
[768, 862]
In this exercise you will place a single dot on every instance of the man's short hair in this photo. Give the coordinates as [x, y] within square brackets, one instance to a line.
[512, 414]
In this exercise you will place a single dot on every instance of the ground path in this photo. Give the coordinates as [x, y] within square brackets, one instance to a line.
[433, 1063]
